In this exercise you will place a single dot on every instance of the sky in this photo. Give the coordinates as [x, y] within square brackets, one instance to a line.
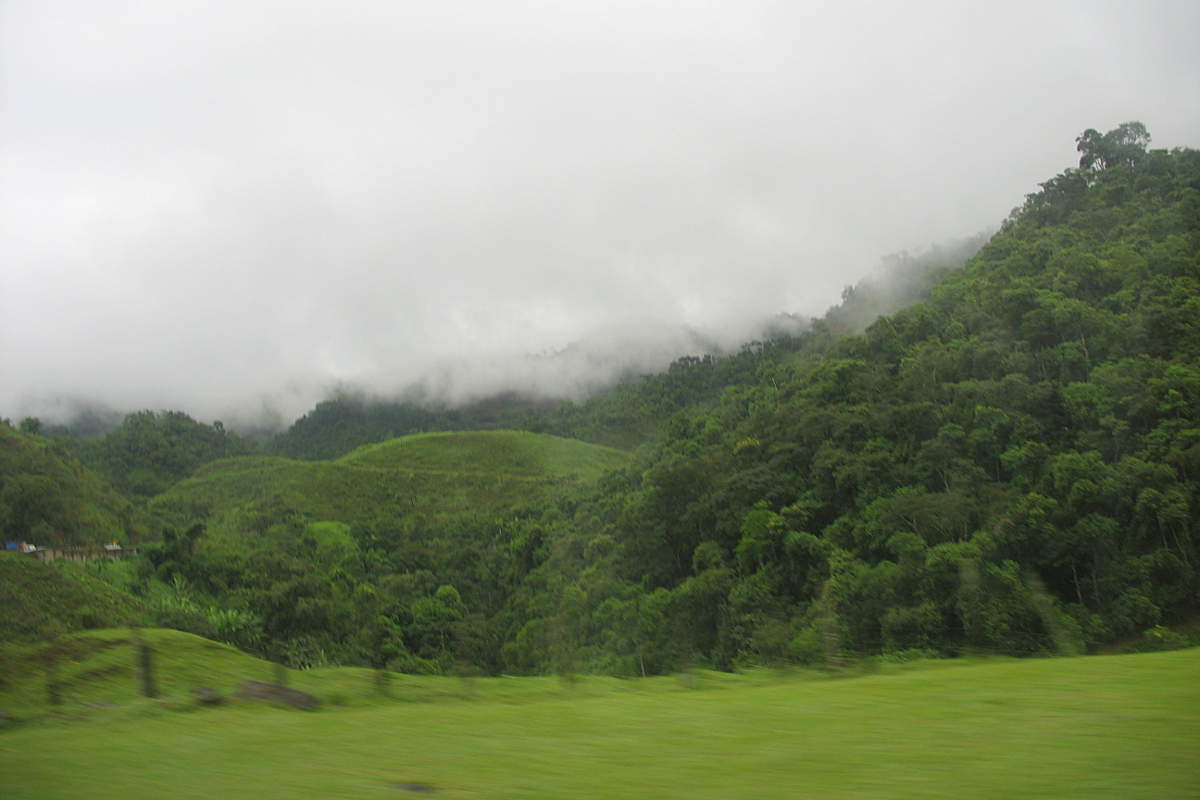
[232, 207]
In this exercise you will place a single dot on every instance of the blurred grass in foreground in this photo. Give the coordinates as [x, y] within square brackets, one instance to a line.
[1112, 726]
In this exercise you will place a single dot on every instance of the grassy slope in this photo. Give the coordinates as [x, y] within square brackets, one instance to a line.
[424, 473]
[517, 452]
[1112, 726]
[94, 670]
[42, 601]
[95, 678]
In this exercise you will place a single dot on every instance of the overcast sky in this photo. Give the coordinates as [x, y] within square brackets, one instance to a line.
[209, 205]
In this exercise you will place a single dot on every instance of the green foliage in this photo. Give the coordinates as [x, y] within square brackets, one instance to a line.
[1124, 145]
[416, 478]
[48, 498]
[403, 553]
[151, 451]
[1009, 467]
[42, 601]
[339, 425]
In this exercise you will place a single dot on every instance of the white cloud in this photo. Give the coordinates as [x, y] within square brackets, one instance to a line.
[203, 204]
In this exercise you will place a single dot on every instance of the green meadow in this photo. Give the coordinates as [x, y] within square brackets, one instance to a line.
[1106, 726]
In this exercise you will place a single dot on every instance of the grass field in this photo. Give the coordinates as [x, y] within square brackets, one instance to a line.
[1095, 727]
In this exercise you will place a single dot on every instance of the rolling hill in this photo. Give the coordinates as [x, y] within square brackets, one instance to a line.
[435, 475]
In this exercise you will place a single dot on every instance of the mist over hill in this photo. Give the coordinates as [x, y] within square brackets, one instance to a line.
[574, 372]
[413, 193]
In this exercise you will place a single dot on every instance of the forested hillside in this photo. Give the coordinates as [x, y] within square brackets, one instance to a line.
[1010, 465]
[48, 497]
[149, 452]
[403, 552]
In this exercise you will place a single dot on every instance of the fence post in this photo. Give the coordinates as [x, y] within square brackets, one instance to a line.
[53, 690]
[143, 662]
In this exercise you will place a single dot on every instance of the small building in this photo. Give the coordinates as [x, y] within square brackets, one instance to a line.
[87, 552]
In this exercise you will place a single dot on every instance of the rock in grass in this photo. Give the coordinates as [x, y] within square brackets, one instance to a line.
[207, 696]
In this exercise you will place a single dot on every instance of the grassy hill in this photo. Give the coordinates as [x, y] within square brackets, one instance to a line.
[1112, 726]
[435, 474]
[409, 552]
[41, 601]
[94, 670]
[95, 678]
[515, 453]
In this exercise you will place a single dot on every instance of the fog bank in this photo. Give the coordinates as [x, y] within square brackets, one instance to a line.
[226, 208]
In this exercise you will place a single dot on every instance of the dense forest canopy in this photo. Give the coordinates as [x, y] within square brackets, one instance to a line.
[1010, 465]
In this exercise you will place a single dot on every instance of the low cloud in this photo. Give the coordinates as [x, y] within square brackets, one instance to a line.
[225, 208]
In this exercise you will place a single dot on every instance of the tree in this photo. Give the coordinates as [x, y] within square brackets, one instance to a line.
[32, 504]
[1125, 144]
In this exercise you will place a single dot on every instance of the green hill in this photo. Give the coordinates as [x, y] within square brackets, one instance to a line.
[440, 474]
[339, 424]
[151, 451]
[41, 601]
[96, 668]
[1011, 466]
[48, 497]
[93, 673]
[514, 453]
[406, 552]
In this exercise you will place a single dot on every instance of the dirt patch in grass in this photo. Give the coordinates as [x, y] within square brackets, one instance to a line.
[414, 787]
